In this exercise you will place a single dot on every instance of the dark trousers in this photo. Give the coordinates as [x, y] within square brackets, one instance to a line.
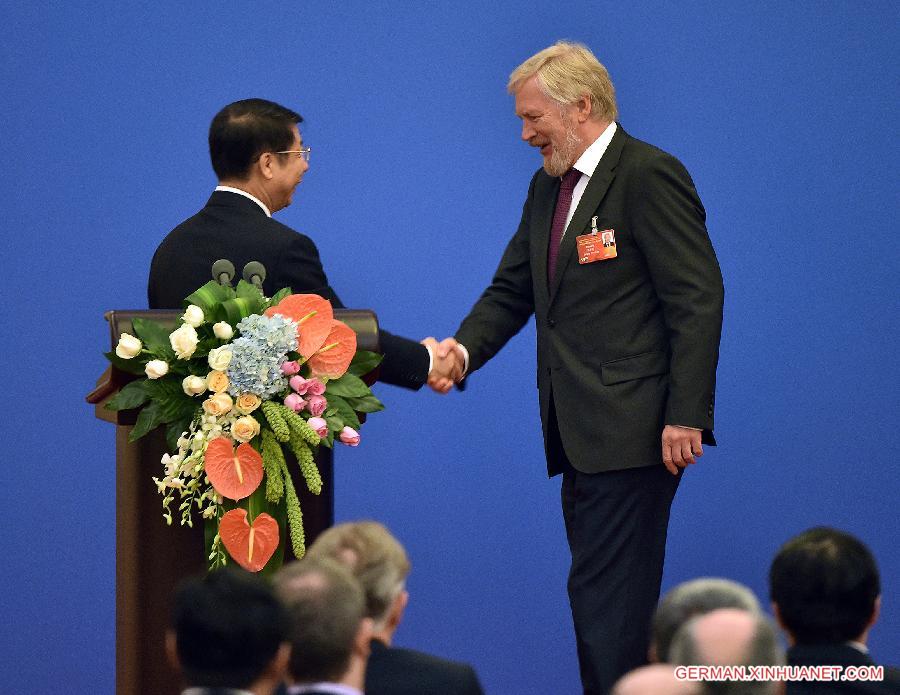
[616, 524]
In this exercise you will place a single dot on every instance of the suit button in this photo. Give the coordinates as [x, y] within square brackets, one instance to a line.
[551, 322]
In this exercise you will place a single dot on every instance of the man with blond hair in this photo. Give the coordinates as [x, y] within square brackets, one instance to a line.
[381, 566]
[627, 341]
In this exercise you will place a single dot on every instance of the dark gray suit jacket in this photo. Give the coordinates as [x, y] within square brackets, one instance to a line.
[396, 671]
[838, 655]
[624, 345]
[234, 227]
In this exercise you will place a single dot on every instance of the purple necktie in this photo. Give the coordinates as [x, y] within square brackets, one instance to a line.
[563, 202]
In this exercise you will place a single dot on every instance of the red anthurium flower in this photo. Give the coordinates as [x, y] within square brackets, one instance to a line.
[334, 357]
[234, 474]
[250, 546]
[313, 316]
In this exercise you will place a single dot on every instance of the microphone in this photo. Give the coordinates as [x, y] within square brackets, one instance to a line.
[254, 273]
[223, 271]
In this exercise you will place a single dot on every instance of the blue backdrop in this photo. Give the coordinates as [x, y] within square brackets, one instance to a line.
[784, 113]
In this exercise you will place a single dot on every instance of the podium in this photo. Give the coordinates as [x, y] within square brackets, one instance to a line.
[151, 557]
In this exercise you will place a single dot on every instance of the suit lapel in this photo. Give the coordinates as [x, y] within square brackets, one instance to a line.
[542, 219]
[590, 200]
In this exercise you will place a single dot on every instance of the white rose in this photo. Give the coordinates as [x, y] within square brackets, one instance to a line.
[184, 341]
[193, 315]
[223, 330]
[193, 385]
[156, 368]
[220, 358]
[128, 346]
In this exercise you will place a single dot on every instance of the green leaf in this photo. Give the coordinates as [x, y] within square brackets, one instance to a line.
[155, 336]
[279, 295]
[236, 309]
[174, 430]
[347, 385]
[335, 422]
[364, 362]
[131, 396]
[209, 297]
[149, 419]
[343, 409]
[133, 366]
[366, 404]
[255, 298]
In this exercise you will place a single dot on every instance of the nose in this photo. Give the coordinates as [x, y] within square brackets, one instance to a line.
[527, 131]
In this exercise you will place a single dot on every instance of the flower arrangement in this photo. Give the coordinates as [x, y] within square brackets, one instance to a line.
[241, 381]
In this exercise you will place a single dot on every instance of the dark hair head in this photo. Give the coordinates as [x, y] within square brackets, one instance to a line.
[228, 628]
[326, 606]
[825, 583]
[242, 131]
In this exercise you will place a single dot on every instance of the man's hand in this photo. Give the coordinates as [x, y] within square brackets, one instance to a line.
[679, 447]
[447, 366]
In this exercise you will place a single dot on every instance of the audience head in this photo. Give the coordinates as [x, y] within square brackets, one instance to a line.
[655, 679]
[242, 131]
[229, 630]
[825, 587]
[378, 562]
[691, 598]
[729, 637]
[329, 632]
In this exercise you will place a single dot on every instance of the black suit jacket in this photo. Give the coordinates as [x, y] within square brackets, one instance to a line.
[624, 345]
[234, 227]
[395, 671]
[838, 655]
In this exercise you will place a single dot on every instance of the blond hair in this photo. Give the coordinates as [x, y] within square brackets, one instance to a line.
[373, 555]
[567, 71]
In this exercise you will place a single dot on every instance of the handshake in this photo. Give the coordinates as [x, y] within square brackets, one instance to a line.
[448, 363]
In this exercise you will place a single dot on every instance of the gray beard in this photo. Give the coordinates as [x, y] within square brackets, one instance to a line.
[562, 159]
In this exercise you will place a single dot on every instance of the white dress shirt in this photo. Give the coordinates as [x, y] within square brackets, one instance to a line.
[229, 189]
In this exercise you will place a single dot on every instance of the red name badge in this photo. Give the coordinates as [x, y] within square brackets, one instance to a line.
[596, 246]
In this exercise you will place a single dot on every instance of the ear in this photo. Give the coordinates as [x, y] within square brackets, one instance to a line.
[398, 607]
[583, 108]
[265, 165]
[278, 667]
[172, 650]
[364, 634]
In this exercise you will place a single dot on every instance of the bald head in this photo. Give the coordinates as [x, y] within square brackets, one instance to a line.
[655, 679]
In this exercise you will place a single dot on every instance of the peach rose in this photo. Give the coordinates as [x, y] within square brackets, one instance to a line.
[217, 404]
[217, 381]
[247, 403]
[245, 428]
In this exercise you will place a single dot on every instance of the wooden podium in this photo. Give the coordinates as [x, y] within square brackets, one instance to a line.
[151, 557]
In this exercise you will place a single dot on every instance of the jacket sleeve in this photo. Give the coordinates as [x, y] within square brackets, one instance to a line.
[669, 225]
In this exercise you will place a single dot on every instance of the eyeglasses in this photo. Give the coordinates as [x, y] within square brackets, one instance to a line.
[303, 152]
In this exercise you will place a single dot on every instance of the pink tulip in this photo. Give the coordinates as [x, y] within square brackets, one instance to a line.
[294, 402]
[290, 367]
[299, 384]
[316, 405]
[319, 425]
[314, 387]
[349, 436]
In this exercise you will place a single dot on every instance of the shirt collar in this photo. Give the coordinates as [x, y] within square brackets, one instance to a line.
[204, 691]
[589, 160]
[859, 646]
[229, 189]
[335, 688]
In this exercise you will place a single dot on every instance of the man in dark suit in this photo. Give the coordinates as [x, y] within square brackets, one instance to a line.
[328, 629]
[381, 565]
[826, 594]
[259, 158]
[228, 635]
[627, 341]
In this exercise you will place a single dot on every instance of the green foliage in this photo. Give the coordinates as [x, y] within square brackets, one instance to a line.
[133, 366]
[299, 426]
[155, 337]
[366, 404]
[252, 296]
[131, 396]
[279, 295]
[364, 362]
[273, 413]
[294, 515]
[307, 464]
[343, 410]
[209, 298]
[348, 385]
[273, 464]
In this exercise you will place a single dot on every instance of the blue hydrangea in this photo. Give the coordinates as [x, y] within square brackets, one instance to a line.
[258, 353]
